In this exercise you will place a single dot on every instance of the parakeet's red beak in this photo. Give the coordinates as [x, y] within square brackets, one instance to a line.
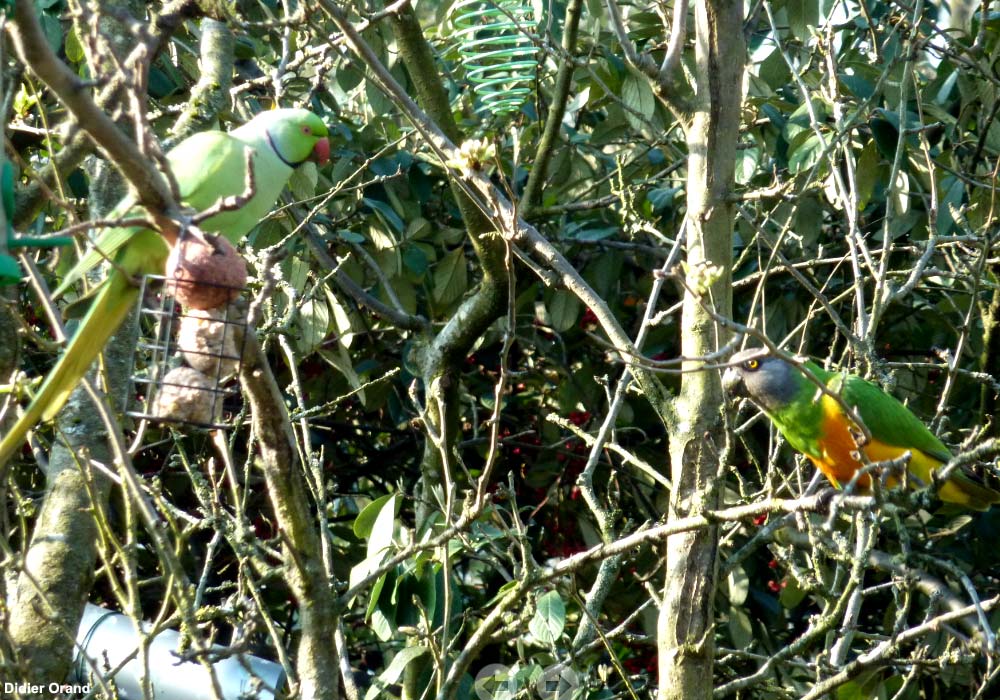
[321, 152]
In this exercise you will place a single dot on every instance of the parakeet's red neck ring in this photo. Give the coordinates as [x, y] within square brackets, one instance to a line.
[282, 158]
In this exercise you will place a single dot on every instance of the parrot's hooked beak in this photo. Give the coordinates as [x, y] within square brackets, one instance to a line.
[321, 151]
[732, 383]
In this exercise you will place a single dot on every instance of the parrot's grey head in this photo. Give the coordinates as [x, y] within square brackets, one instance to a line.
[768, 381]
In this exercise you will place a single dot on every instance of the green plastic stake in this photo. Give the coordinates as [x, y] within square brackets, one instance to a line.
[7, 199]
[10, 271]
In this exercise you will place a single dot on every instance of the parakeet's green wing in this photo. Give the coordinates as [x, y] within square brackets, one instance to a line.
[201, 164]
[889, 421]
[207, 166]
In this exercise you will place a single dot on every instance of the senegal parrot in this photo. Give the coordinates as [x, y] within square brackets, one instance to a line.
[816, 425]
[208, 166]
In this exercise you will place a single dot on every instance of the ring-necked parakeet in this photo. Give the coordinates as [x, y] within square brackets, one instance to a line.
[815, 424]
[208, 166]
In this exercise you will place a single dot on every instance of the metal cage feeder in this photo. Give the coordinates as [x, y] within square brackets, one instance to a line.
[186, 360]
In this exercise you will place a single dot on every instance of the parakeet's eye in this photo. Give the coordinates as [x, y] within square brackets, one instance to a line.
[306, 130]
[751, 365]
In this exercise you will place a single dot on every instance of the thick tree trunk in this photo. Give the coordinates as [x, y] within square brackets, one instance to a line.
[698, 440]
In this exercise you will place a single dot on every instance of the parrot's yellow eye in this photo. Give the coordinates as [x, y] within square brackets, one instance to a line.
[751, 364]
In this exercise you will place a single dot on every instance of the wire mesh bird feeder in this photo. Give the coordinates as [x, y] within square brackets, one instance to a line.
[187, 360]
[500, 57]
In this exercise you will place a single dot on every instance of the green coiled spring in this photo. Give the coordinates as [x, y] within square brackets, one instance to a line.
[500, 58]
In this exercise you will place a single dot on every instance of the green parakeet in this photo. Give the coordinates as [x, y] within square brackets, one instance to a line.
[208, 166]
[816, 425]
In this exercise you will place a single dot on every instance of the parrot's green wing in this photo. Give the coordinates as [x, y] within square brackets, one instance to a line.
[203, 165]
[889, 421]
[207, 166]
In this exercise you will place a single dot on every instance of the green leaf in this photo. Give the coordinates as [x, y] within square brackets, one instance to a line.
[343, 319]
[549, 620]
[662, 198]
[377, 587]
[377, 101]
[74, 49]
[638, 97]
[867, 173]
[594, 234]
[365, 521]
[858, 86]
[801, 120]
[52, 28]
[386, 213]
[362, 570]
[886, 133]
[313, 324]
[160, 83]
[773, 70]
[418, 228]
[806, 155]
[802, 14]
[774, 115]
[739, 585]
[340, 360]
[503, 592]
[740, 628]
[791, 595]
[380, 539]
[394, 671]
[423, 588]
[381, 621]
[350, 236]
[296, 274]
[348, 77]
[604, 273]
[862, 688]
[415, 260]
[563, 309]
[451, 278]
[809, 219]
[951, 203]
[747, 160]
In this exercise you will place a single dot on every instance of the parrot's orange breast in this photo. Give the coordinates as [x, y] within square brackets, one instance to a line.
[839, 457]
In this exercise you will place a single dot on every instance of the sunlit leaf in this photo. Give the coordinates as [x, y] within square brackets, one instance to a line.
[549, 619]
[450, 277]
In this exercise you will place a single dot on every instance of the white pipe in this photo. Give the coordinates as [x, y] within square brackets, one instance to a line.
[107, 638]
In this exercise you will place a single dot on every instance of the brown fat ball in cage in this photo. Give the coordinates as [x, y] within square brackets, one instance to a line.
[186, 396]
[208, 342]
[204, 271]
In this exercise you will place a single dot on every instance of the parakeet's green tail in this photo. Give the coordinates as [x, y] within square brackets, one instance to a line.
[106, 313]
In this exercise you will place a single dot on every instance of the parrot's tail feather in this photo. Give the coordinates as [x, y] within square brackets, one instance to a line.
[965, 489]
[106, 313]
